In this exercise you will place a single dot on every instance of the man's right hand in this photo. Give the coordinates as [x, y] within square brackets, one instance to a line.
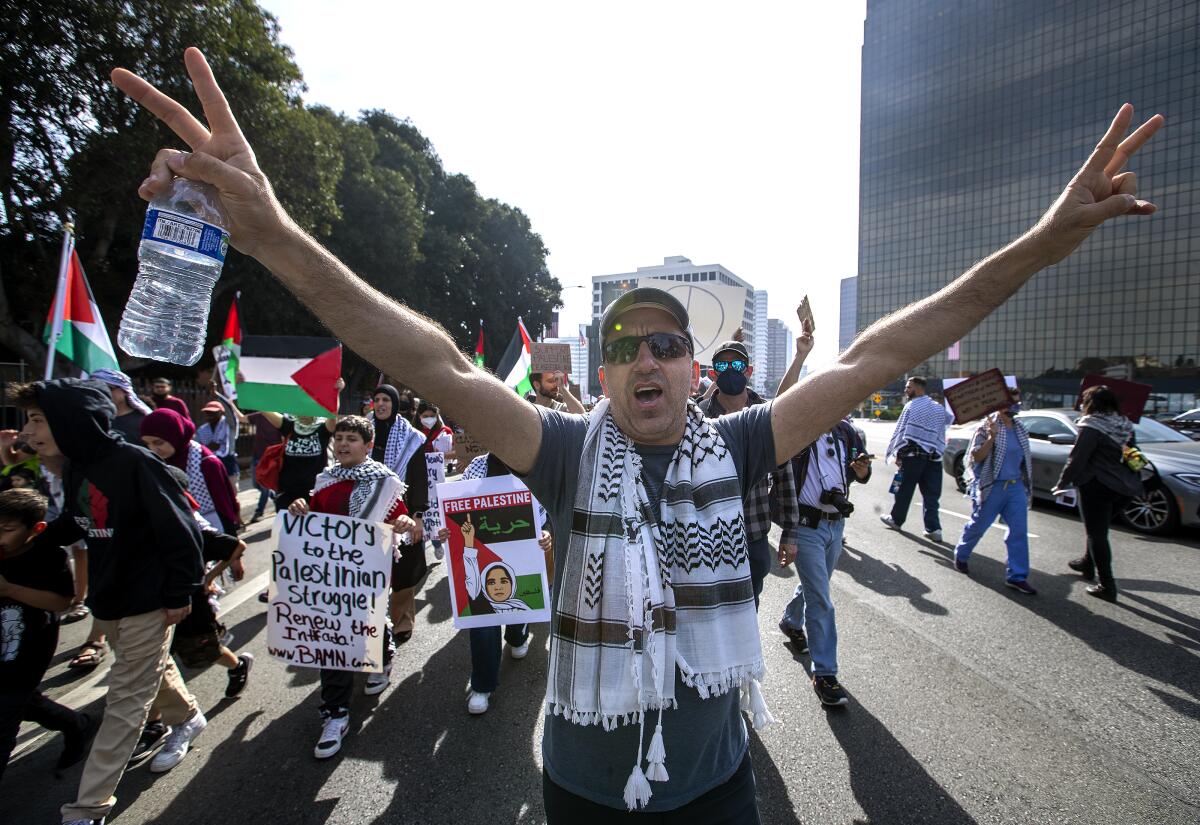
[804, 341]
[221, 157]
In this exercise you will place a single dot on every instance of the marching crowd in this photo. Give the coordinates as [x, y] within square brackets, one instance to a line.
[657, 502]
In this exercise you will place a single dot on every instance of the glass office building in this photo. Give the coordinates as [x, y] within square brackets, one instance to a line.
[975, 114]
[847, 313]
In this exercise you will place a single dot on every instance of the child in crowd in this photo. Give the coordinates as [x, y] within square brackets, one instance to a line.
[358, 486]
[170, 437]
[35, 583]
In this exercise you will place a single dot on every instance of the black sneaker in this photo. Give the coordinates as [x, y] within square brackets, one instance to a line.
[829, 691]
[75, 742]
[401, 636]
[797, 637]
[152, 738]
[239, 676]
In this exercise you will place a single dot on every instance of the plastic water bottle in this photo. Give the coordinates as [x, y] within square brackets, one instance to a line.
[897, 480]
[183, 248]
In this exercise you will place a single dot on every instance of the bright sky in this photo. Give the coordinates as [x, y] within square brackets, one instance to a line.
[627, 132]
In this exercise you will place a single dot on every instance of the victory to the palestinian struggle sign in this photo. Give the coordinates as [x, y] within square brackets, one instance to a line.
[328, 597]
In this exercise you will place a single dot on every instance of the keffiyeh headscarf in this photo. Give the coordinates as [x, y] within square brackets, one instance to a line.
[394, 436]
[376, 488]
[178, 431]
[641, 596]
[1111, 424]
[118, 379]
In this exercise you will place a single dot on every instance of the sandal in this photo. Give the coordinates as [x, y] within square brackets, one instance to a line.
[90, 654]
[74, 613]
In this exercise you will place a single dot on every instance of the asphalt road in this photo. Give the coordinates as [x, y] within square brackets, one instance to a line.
[971, 703]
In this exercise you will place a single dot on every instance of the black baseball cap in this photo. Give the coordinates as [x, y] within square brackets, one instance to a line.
[733, 346]
[645, 296]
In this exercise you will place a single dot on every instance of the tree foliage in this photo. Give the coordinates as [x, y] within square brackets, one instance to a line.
[370, 187]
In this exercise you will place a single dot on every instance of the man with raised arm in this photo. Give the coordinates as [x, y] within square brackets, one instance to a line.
[652, 576]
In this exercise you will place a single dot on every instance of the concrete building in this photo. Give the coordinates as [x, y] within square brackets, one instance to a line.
[848, 313]
[758, 349]
[974, 116]
[718, 301]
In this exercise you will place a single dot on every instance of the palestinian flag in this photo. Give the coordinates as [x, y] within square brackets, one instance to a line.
[229, 351]
[290, 374]
[517, 362]
[479, 347]
[74, 327]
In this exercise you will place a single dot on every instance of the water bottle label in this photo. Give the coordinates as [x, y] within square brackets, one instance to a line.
[186, 232]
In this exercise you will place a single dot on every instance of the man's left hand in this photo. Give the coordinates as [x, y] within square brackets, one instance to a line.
[861, 466]
[787, 554]
[175, 615]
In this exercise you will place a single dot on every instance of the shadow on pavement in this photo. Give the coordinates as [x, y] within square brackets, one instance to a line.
[775, 807]
[888, 579]
[888, 782]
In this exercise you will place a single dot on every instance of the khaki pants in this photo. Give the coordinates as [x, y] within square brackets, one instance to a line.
[141, 662]
[404, 609]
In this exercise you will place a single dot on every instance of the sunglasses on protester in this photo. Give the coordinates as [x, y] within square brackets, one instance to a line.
[737, 365]
[664, 346]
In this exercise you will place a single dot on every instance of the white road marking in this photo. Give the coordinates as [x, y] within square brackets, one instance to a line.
[994, 526]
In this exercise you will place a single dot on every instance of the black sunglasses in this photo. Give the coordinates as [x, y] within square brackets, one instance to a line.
[663, 346]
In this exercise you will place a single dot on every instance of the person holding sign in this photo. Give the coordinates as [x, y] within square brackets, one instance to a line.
[1000, 483]
[654, 487]
[360, 487]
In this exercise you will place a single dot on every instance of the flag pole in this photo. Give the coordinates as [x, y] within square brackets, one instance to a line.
[60, 298]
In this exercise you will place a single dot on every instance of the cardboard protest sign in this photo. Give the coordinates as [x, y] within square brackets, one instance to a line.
[1010, 381]
[551, 358]
[804, 313]
[466, 447]
[1131, 395]
[435, 474]
[328, 597]
[976, 397]
[497, 570]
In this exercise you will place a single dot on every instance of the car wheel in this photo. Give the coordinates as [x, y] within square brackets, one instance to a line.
[1153, 513]
[959, 472]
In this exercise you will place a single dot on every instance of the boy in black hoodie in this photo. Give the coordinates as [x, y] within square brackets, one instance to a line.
[144, 563]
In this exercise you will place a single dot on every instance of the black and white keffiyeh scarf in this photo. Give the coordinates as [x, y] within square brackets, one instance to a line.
[376, 488]
[643, 593]
[981, 477]
[1114, 425]
[197, 486]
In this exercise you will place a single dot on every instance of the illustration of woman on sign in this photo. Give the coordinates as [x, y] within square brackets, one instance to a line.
[491, 592]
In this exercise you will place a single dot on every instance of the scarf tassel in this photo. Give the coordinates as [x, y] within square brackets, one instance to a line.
[637, 789]
[656, 756]
[758, 706]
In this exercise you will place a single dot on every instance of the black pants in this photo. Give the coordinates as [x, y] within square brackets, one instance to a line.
[31, 706]
[733, 803]
[1099, 504]
[926, 474]
[337, 686]
[760, 564]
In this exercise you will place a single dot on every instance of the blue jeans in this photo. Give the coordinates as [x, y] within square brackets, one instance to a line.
[1007, 499]
[263, 492]
[759, 551]
[926, 474]
[811, 609]
[486, 651]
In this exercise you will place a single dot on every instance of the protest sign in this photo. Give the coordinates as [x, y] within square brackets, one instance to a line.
[497, 569]
[435, 474]
[977, 396]
[804, 313]
[551, 358]
[329, 590]
[1010, 381]
[223, 356]
[1131, 396]
[466, 448]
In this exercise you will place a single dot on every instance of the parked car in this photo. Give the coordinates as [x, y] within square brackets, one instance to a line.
[1171, 479]
[1187, 423]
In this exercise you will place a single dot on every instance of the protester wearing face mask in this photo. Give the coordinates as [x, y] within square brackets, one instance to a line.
[732, 370]
[1000, 483]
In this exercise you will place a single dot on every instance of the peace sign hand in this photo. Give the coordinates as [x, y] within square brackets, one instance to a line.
[1100, 190]
[220, 157]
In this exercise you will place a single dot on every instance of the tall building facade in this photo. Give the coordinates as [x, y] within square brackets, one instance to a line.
[847, 313]
[974, 116]
[779, 355]
[759, 351]
[678, 269]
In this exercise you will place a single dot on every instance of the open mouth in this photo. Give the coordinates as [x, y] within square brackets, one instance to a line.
[647, 396]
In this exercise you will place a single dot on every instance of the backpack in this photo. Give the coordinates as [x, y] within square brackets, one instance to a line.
[266, 474]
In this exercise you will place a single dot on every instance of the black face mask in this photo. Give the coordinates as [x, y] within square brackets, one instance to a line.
[731, 382]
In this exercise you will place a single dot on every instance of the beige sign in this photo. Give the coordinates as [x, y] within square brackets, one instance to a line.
[551, 358]
[976, 397]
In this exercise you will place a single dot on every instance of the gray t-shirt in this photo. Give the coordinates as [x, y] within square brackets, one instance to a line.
[705, 739]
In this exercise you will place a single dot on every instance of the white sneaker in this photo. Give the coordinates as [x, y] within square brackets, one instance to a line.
[933, 535]
[378, 682]
[477, 703]
[333, 731]
[178, 742]
[522, 651]
[886, 518]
